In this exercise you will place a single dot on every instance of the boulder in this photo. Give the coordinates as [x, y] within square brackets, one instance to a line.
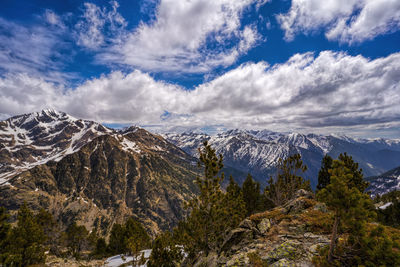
[211, 260]
[236, 239]
[304, 193]
[264, 225]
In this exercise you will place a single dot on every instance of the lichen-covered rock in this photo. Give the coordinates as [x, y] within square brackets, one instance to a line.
[290, 250]
[211, 260]
[283, 263]
[264, 225]
[236, 239]
[284, 236]
[297, 205]
[304, 193]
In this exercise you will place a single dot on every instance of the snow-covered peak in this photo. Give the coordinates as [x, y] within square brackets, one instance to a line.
[36, 138]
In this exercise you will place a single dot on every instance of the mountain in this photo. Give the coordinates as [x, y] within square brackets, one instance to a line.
[80, 170]
[257, 152]
[34, 139]
[386, 182]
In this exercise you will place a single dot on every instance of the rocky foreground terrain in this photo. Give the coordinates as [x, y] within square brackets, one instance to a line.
[285, 236]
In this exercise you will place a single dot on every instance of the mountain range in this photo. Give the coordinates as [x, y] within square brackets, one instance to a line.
[82, 171]
[257, 152]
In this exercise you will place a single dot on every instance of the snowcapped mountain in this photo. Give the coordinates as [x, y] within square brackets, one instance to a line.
[386, 182]
[33, 139]
[257, 152]
[82, 171]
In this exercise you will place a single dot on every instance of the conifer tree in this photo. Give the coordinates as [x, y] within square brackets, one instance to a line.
[287, 181]
[357, 175]
[101, 248]
[117, 239]
[25, 244]
[76, 239]
[211, 212]
[4, 232]
[324, 176]
[136, 238]
[251, 195]
[343, 196]
[233, 188]
[165, 252]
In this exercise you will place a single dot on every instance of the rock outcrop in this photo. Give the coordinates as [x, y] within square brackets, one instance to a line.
[285, 236]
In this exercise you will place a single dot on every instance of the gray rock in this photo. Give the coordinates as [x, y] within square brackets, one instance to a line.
[210, 261]
[236, 239]
[283, 263]
[247, 224]
[264, 225]
[304, 193]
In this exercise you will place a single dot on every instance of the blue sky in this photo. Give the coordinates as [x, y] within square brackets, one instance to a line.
[302, 65]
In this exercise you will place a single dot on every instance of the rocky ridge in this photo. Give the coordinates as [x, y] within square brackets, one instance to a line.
[257, 152]
[285, 236]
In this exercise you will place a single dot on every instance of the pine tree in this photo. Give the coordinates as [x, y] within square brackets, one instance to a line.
[251, 195]
[76, 239]
[25, 244]
[211, 212]
[357, 175]
[136, 238]
[165, 252]
[101, 248]
[324, 176]
[234, 204]
[117, 239]
[288, 180]
[343, 196]
[233, 188]
[4, 232]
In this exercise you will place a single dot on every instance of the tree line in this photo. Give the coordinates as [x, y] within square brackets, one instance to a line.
[35, 235]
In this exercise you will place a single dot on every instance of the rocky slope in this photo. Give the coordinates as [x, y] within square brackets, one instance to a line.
[33, 139]
[95, 175]
[386, 182]
[285, 236]
[257, 152]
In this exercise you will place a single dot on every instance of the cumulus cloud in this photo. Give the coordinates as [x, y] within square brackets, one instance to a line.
[347, 21]
[181, 34]
[326, 92]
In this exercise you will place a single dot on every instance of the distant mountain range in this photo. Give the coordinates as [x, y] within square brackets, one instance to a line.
[386, 182]
[257, 152]
[81, 170]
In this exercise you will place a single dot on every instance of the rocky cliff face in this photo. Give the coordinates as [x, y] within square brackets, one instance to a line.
[285, 236]
[101, 178]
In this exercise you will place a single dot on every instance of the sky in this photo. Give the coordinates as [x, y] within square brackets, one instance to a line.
[307, 66]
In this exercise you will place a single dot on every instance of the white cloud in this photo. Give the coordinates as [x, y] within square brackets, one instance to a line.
[348, 21]
[99, 25]
[330, 92]
[35, 50]
[179, 36]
